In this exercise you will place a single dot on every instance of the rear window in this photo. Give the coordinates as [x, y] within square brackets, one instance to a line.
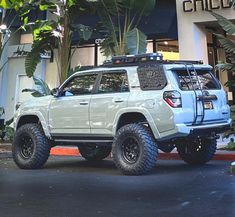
[202, 78]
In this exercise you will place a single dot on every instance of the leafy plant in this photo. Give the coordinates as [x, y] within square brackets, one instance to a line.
[229, 46]
[42, 88]
[227, 43]
[5, 33]
[55, 33]
[120, 19]
[6, 131]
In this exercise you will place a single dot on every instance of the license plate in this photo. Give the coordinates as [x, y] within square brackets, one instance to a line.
[208, 105]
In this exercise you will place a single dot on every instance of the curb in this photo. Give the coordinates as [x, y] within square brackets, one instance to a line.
[5, 152]
[73, 151]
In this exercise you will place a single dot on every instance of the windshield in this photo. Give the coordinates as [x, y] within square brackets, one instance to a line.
[202, 79]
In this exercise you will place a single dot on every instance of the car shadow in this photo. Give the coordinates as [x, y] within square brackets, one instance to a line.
[78, 164]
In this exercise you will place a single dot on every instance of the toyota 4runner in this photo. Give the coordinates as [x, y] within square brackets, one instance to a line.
[130, 106]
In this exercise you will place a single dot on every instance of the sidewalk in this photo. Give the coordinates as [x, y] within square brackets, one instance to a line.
[5, 151]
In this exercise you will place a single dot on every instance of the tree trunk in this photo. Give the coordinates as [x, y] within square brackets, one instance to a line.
[64, 49]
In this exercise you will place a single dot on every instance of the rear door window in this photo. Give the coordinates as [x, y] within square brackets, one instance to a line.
[191, 80]
[113, 82]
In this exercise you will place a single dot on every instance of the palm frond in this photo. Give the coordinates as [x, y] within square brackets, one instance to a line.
[108, 47]
[227, 44]
[112, 6]
[225, 66]
[34, 56]
[227, 25]
[136, 42]
[42, 86]
[106, 13]
[140, 6]
[31, 62]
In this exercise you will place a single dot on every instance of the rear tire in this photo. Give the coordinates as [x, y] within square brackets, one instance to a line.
[94, 153]
[198, 151]
[134, 150]
[30, 147]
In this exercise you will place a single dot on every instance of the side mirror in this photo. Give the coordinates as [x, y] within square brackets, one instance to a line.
[55, 92]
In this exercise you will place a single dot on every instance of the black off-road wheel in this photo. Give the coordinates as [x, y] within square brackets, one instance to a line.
[30, 147]
[134, 150]
[94, 153]
[198, 151]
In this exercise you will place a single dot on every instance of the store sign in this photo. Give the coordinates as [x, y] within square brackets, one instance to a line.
[205, 5]
[99, 40]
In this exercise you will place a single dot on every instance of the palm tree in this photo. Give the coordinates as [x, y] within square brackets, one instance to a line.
[120, 19]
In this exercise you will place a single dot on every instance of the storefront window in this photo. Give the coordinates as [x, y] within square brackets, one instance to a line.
[149, 47]
[101, 57]
[169, 49]
[84, 56]
[216, 55]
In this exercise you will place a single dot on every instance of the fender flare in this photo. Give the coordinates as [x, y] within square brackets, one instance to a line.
[42, 121]
[142, 111]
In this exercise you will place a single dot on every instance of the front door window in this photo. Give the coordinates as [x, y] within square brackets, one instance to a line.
[80, 85]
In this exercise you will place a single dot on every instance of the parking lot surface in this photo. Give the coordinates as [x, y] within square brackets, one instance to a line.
[71, 186]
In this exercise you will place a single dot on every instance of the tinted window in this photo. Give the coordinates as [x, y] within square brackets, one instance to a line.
[113, 82]
[152, 77]
[80, 85]
[201, 78]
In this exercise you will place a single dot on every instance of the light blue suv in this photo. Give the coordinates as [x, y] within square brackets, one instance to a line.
[130, 106]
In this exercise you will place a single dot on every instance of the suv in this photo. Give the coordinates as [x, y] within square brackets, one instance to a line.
[130, 106]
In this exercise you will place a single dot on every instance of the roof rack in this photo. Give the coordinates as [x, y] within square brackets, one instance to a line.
[143, 58]
[134, 58]
[184, 61]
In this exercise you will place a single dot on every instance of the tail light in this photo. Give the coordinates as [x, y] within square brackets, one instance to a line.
[173, 98]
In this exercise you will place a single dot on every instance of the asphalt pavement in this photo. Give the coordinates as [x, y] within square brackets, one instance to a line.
[73, 187]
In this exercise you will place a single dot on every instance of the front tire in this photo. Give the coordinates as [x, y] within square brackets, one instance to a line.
[198, 151]
[134, 150]
[94, 153]
[30, 147]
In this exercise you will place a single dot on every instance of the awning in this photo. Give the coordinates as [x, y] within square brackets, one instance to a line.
[160, 24]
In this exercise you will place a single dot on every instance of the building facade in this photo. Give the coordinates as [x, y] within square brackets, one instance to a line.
[179, 29]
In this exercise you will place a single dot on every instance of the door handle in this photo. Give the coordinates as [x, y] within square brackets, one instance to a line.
[118, 100]
[83, 103]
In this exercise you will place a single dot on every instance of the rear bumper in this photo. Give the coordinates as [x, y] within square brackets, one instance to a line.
[182, 130]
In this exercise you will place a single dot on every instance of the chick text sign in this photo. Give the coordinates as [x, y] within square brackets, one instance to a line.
[205, 5]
